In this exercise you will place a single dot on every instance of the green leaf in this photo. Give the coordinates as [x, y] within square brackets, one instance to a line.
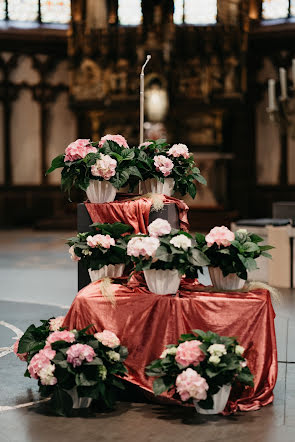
[83, 381]
[267, 255]
[200, 238]
[250, 247]
[251, 264]
[198, 258]
[255, 238]
[159, 386]
[201, 180]
[192, 190]
[56, 163]
[61, 402]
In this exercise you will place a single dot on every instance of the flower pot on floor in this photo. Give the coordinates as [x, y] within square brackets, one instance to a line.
[219, 401]
[112, 271]
[152, 185]
[220, 282]
[162, 282]
[79, 402]
[101, 192]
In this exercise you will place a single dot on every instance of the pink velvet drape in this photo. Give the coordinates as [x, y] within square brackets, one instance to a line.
[146, 322]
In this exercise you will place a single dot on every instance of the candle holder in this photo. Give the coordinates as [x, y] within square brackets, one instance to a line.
[282, 111]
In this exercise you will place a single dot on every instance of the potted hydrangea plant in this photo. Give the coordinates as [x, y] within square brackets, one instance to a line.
[201, 369]
[102, 250]
[164, 256]
[100, 168]
[231, 255]
[166, 169]
[72, 367]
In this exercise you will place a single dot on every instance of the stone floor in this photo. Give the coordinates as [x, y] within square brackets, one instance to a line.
[37, 281]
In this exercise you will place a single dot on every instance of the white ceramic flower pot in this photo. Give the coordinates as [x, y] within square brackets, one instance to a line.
[162, 282]
[101, 192]
[152, 185]
[219, 401]
[79, 402]
[229, 282]
[112, 271]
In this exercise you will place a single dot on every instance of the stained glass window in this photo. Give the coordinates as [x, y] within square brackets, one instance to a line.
[129, 12]
[272, 9]
[2, 10]
[23, 10]
[194, 12]
[55, 11]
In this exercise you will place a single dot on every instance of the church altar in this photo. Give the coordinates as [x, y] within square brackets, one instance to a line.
[147, 322]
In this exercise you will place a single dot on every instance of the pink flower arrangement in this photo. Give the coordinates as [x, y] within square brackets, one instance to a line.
[189, 353]
[60, 336]
[105, 241]
[108, 338]
[74, 257]
[56, 323]
[159, 227]
[119, 139]
[38, 366]
[142, 246]
[105, 167]
[189, 384]
[77, 353]
[21, 356]
[179, 150]
[222, 236]
[78, 149]
[163, 164]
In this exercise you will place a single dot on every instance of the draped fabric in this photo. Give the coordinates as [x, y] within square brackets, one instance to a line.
[146, 322]
[133, 212]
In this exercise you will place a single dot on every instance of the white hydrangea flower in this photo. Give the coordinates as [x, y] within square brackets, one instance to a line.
[102, 372]
[243, 231]
[181, 242]
[217, 350]
[113, 356]
[46, 375]
[214, 359]
[169, 351]
[86, 252]
[239, 350]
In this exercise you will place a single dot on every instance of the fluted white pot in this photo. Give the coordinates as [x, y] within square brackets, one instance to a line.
[152, 185]
[111, 270]
[219, 401]
[101, 192]
[79, 402]
[162, 282]
[229, 282]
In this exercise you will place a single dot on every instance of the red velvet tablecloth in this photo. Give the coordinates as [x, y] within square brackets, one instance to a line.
[134, 212]
[146, 322]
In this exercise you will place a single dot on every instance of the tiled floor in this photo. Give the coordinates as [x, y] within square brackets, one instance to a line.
[37, 281]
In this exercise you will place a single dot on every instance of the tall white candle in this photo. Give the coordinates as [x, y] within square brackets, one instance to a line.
[293, 72]
[141, 117]
[283, 83]
[272, 94]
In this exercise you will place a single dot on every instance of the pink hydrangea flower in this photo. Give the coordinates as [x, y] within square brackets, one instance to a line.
[60, 336]
[77, 353]
[222, 236]
[143, 246]
[108, 338]
[163, 164]
[78, 149]
[21, 356]
[188, 353]
[73, 255]
[145, 144]
[189, 384]
[179, 150]
[40, 361]
[119, 139]
[105, 167]
[159, 227]
[56, 323]
[105, 241]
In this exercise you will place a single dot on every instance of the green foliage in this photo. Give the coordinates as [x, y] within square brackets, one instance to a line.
[96, 258]
[240, 257]
[229, 370]
[185, 173]
[78, 173]
[96, 379]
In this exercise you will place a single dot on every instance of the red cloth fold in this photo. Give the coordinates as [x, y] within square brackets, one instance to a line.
[146, 322]
[133, 212]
